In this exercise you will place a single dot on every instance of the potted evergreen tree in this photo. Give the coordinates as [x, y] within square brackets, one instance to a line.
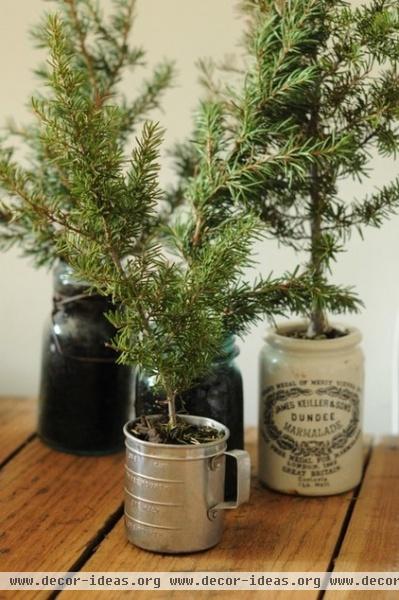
[171, 311]
[85, 396]
[320, 94]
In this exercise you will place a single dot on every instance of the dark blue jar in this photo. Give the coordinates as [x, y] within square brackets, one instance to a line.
[85, 396]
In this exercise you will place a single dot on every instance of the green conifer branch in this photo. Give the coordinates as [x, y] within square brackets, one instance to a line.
[172, 313]
[319, 93]
[100, 52]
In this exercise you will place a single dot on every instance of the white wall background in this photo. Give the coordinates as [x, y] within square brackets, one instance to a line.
[185, 30]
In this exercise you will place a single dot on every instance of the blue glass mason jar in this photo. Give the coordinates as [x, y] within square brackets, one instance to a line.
[85, 397]
[219, 396]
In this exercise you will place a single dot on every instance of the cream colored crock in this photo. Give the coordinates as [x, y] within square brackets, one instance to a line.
[310, 413]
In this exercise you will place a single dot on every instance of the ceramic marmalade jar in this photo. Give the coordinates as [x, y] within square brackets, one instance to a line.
[310, 413]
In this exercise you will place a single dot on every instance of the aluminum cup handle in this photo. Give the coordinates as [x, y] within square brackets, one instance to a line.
[243, 483]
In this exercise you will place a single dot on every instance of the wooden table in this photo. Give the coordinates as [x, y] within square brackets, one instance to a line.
[64, 513]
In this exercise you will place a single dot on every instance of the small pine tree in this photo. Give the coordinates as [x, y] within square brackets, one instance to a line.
[179, 294]
[100, 51]
[319, 91]
[173, 312]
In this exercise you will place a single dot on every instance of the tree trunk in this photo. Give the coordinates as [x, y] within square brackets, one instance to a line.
[171, 400]
[318, 319]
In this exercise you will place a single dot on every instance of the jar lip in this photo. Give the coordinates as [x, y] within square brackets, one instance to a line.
[275, 337]
[65, 280]
[229, 351]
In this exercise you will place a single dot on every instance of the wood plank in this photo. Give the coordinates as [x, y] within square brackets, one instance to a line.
[371, 542]
[274, 532]
[53, 506]
[17, 423]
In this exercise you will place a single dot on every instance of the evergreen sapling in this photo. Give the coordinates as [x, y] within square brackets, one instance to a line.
[179, 294]
[318, 94]
[36, 187]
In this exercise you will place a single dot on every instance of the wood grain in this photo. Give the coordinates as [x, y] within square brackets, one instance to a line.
[53, 506]
[17, 424]
[62, 512]
[372, 539]
[274, 532]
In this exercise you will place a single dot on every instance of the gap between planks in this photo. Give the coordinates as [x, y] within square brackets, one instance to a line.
[351, 509]
[18, 423]
[372, 539]
[17, 450]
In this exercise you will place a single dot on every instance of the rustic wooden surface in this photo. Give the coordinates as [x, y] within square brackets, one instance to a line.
[17, 422]
[372, 539]
[64, 513]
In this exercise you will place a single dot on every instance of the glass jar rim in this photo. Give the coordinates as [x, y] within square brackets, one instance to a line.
[65, 281]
